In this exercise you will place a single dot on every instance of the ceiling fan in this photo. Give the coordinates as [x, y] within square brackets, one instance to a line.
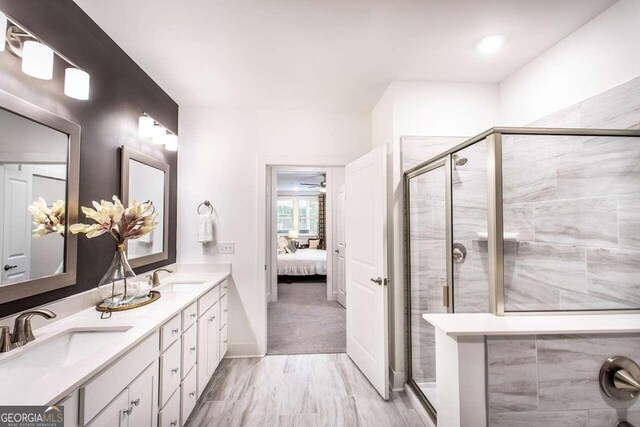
[322, 185]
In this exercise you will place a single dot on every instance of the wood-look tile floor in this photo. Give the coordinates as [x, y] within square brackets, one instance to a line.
[298, 390]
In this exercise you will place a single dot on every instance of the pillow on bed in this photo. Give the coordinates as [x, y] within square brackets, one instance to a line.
[291, 248]
[282, 243]
[314, 243]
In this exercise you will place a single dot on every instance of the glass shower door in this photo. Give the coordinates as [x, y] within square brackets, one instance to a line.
[427, 227]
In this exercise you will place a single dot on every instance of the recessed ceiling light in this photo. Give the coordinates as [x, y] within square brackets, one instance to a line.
[490, 44]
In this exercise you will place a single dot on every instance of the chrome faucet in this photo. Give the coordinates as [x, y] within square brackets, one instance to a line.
[22, 331]
[155, 278]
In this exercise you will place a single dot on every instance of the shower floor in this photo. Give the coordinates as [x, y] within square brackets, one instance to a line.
[429, 390]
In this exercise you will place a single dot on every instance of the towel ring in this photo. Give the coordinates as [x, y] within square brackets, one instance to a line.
[206, 204]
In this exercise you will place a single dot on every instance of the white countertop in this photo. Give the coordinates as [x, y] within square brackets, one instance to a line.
[33, 386]
[490, 324]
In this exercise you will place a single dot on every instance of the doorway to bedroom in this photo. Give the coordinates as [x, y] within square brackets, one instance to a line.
[306, 313]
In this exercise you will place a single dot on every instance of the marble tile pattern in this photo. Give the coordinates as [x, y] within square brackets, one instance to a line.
[575, 203]
[297, 390]
[552, 380]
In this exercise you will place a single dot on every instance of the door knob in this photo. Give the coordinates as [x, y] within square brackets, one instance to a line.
[620, 378]
[337, 251]
[8, 267]
[379, 281]
[459, 253]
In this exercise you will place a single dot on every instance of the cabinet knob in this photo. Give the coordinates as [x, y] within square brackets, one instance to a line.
[174, 371]
[192, 349]
[175, 331]
[192, 315]
[193, 393]
[225, 310]
[212, 318]
[174, 423]
[225, 341]
[135, 402]
[127, 411]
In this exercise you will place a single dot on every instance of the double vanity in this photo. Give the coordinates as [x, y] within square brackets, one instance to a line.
[143, 367]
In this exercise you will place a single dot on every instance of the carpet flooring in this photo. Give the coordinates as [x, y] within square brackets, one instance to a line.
[302, 321]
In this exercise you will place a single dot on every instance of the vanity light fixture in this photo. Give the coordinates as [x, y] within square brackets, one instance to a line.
[148, 127]
[3, 31]
[171, 142]
[37, 58]
[76, 84]
[159, 133]
[490, 44]
[145, 126]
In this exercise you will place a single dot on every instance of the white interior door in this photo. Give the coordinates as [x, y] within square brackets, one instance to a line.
[366, 267]
[341, 250]
[16, 242]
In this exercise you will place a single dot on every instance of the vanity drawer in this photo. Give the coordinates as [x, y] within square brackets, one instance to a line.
[207, 300]
[224, 286]
[169, 371]
[99, 391]
[189, 349]
[223, 311]
[189, 394]
[171, 331]
[189, 316]
[223, 343]
[170, 413]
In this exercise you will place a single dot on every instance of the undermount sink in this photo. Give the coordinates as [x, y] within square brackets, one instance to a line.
[65, 349]
[178, 286]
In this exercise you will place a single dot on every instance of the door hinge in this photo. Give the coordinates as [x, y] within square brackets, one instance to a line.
[445, 296]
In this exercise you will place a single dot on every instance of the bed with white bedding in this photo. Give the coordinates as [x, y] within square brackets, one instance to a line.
[304, 262]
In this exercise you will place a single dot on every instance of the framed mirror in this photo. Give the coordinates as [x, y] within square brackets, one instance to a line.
[147, 179]
[39, 172]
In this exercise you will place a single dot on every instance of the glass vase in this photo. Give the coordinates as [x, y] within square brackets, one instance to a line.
[120, 285]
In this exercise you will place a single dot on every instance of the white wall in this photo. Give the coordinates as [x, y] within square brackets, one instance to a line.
[220, 150]
[597, 57]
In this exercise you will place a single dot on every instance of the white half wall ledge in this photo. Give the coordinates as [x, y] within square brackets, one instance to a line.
[486, 324]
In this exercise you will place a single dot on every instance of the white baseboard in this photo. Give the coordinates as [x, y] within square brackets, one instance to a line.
[243, 350]
[419, 407]
[397, 380]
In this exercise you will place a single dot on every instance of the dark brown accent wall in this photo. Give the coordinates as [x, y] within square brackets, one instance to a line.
[120, 92]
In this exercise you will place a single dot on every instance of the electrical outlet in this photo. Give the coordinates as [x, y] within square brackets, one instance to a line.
[226, 247]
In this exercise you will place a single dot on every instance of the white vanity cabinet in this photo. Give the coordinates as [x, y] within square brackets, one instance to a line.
[134, 406]
[158, 381]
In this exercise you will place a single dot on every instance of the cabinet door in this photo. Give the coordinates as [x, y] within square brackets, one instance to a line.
[143, 398]
[115, 414]
[213, 337]
[201, 363]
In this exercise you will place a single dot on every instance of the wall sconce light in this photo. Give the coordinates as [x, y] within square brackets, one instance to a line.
[159, 132]
[37, 58]
[145, 126]
[148, 127]
[171, 142]
[76, 84]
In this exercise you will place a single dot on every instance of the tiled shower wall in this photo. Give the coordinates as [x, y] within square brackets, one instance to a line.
[574, 203]
[552, 380]
[571, 212]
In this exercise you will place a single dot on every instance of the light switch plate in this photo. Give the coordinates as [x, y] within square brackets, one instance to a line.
[226, 247]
